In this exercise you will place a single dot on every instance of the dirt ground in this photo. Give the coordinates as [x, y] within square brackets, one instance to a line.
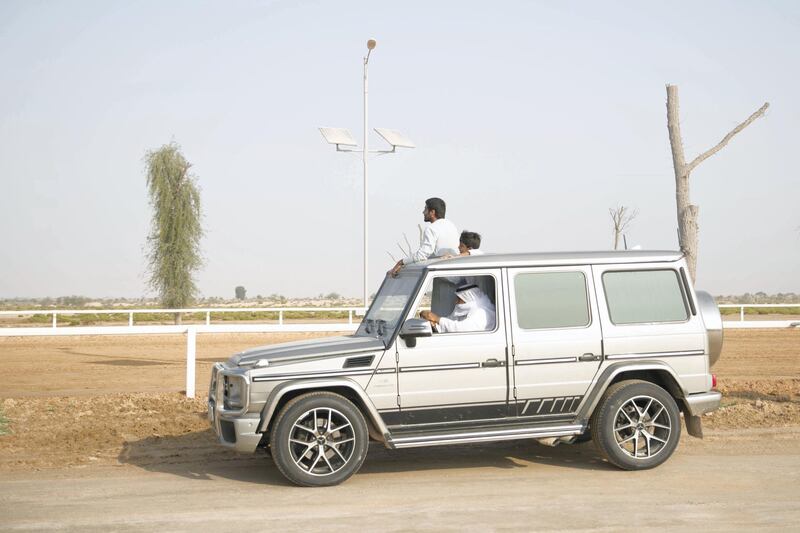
[733, 480]
[76, 401]
[69, 366]
[730, 481]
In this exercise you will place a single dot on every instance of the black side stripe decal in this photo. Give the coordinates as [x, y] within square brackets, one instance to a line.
[550, 406]
[547, 361]
[323, 374]
[654, 354]
[429, 368]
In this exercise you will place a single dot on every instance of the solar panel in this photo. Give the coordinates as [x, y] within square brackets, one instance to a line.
[338, 136]
[395, 138]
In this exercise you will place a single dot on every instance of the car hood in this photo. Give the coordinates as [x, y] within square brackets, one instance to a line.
[311, 349]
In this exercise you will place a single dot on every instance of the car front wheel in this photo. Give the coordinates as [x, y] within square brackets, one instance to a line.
[319, 439]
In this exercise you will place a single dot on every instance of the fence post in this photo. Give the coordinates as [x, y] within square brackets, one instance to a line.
[741, 313]
[54, 320]
[350, 317]
[130, 319]
[208, 318]
[191, 347]
[280, 318]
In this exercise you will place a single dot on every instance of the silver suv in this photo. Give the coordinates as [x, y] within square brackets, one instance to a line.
[607, 346]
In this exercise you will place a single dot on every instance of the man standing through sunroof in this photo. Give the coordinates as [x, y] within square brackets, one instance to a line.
[439, 238]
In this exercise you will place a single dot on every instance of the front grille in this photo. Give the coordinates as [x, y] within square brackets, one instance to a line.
[353, 362]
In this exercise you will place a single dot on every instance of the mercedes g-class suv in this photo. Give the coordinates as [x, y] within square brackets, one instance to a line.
[607, 346]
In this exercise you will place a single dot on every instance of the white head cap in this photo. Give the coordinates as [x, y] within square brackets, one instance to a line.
[469, 293]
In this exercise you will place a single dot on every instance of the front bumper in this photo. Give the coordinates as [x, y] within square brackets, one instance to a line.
[234, 429]
[705, 402]
[236, 433]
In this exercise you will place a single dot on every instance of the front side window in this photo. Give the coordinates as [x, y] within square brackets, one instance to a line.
[546, 300]
[460, 304]
[644, 296]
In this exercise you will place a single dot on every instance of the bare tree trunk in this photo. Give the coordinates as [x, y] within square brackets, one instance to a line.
[178, 319]
[687, 212]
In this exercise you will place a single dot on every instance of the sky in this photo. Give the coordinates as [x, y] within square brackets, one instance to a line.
[531, 120]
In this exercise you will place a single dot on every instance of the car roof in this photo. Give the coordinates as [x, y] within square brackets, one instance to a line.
[550, 259]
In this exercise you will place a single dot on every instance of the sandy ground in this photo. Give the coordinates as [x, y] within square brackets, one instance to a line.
[101, 439]
[67, 366]
[734, 480]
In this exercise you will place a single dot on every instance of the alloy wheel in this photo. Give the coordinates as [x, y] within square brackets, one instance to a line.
[642, 427]
[321, 441]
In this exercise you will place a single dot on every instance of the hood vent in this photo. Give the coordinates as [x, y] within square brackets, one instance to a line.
[353, 362]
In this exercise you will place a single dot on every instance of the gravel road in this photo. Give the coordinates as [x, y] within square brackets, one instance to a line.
[736, 479]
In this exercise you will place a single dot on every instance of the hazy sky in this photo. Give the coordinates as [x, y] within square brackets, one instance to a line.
[531, 120]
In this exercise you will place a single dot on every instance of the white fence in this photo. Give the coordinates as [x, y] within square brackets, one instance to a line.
[191, 331]
[742, 323]
[351, 311]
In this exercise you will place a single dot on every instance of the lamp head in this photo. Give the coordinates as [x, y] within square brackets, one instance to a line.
[371, 44]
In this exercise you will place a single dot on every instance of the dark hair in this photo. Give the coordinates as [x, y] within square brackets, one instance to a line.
[436, 204]
[470, 239]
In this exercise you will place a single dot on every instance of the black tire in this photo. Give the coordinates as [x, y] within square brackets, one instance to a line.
[636, 425]
[328, 455]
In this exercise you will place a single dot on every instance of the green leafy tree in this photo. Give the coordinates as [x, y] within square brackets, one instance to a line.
[173, 246]
[241, 293]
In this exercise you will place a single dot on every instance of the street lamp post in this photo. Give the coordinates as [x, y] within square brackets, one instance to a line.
[370, 46]
[342, 137]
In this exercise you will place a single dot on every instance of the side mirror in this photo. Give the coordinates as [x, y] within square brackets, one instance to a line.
[413, 328]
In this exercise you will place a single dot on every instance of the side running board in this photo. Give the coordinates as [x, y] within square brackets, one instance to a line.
[483, 436]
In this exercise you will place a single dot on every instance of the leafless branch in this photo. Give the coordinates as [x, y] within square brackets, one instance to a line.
[705, 155]
[407, 244]
[621, 216]
[390, 255]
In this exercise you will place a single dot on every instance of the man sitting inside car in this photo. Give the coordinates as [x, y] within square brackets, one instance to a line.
[473, 312]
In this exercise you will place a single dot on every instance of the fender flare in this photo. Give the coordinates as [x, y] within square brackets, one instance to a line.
[274, 398]
[602, 380]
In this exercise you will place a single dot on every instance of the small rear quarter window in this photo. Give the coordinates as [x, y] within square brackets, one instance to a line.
[644, 296]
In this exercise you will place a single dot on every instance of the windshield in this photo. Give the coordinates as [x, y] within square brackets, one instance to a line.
[386, 311]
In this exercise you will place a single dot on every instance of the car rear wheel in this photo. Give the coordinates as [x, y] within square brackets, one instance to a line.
[319, 439]
[636, 425]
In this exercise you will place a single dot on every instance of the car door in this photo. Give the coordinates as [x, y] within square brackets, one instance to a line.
[649, 314]
[454, 377]
[556, 339]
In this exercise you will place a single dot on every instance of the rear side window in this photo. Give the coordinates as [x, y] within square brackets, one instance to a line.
[551, 300]
[644, 296]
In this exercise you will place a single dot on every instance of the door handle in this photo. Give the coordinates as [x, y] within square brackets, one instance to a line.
[491, 363]
[590, 357]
